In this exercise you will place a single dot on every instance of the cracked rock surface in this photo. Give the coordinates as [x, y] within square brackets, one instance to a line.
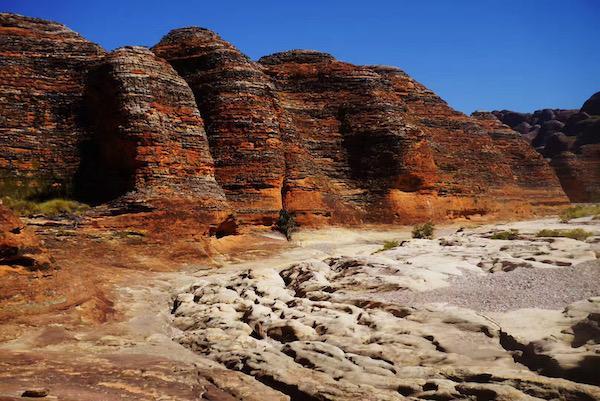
[343, 328]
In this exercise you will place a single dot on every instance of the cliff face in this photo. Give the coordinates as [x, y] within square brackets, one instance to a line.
[194, 130]
[354, 143]
[569, 139]
[148, 137]
[147, 147]
[237, 103]
[43, 67]
[384, 148]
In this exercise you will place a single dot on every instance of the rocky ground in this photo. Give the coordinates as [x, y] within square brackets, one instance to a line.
[332, 317]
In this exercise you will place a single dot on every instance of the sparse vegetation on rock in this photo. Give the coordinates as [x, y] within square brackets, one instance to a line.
[580, 211]
[387, 245]
[510, 235]
[424, 231]
[577, 233]
[48, 208]
[286, 224]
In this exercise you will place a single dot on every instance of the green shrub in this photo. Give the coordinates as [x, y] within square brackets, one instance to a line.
[511, 235]
[387, 245]
[423, 230]
[580, 211]
[49, 208]
[577, 233]
[286, 224]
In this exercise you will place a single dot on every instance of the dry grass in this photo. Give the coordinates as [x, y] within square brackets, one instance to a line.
[576, 233]
[511, 235]
[580, 211]
[49, 208]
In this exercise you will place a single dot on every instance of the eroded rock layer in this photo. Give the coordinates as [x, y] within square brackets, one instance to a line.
[384, 148]
[43, 69]
[329, 141]
[148, 137]
[394, 324]
[237, 103]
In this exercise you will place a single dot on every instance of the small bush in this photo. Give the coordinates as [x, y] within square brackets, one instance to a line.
[286, 224]
[577, 233]
[580, 211]
[423, 230]
[510, 235]
[49, 208]
[387, 245]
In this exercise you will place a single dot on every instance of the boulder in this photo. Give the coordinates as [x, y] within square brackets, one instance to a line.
[522, 128]
[547, 115]
[571, 125]
[548, 128]
[512, 118]
[563, 115]
[592, 105]
[556, 143]
[19, 247]
[588, 131]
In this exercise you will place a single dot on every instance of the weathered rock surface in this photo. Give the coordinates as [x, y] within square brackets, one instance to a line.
[19, 247]
[43, 68]
[148, 146]
[339, 329]
[140, 106]
[237, 103]
[329, 141]
[384, 148]
[570, 139]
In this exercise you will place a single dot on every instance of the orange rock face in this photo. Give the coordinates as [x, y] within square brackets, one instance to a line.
[237, 102]
[148, 137]
[18, 246]
[383, 148]
[43, 67]
[194, 130]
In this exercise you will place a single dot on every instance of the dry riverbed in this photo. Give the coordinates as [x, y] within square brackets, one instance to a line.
[462, 316]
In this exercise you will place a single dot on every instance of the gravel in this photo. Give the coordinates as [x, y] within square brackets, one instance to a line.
[552, 288]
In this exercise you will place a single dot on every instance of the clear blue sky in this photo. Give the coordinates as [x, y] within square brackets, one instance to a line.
[476, 54]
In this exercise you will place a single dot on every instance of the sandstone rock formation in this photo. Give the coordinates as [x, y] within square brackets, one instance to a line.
[329, 141]
[384, 148]
[43, 68]
[570, 139]
[147, 145]
[18, 246]
[358, 146]
[237, 103]
[148, 136]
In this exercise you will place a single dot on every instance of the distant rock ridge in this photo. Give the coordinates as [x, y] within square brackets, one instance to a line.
[569, 139]
[296, 56]
[215, 137]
